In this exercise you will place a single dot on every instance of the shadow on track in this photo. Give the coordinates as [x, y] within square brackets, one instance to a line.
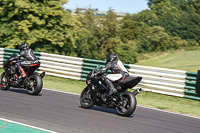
[18, 90]
[106, 110]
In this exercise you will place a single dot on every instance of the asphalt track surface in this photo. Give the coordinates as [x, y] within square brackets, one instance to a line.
[62, 113]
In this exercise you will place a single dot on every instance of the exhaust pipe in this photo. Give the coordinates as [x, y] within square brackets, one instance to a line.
[137, 91]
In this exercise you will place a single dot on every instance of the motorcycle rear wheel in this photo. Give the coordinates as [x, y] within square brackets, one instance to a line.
[86, 98]
[37, 84]
[4, 82]
[129, 104]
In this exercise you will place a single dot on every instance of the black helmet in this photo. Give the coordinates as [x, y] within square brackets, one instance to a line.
[23, 46]
[111, 57]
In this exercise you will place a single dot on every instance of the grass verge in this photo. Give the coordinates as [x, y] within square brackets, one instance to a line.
[63, 84]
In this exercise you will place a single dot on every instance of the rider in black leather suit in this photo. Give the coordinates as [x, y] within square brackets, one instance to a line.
[118, 70]
[29, 57]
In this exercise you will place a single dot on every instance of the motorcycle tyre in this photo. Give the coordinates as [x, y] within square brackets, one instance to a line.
[39, 84]
[91, 104]
[133, 103]
[5, 87]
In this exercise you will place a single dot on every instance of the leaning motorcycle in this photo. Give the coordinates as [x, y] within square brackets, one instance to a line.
[32, 83]
[123, 101]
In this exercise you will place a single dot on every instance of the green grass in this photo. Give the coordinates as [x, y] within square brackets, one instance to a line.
[63, 84]
[169, 103]
[184, 60]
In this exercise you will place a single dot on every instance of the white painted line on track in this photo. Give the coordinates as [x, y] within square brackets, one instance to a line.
[137, 105]
[3, 119]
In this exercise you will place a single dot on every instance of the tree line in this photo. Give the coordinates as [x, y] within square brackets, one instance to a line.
[46, 26]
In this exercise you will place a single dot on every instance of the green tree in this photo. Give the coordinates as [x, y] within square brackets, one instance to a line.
[99, 35]
[128, 30]
[189, 26]
[131, 29]
[42, 23]
[146, 16]
[180, 18]
[110, 39]
[128, 52]
[194, 4]
[88, 37]
[156, 40]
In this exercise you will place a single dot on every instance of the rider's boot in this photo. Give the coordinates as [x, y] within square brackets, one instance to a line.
[111, 87]
[22, 75]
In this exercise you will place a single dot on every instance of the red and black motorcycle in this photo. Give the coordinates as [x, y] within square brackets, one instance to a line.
[32, 83]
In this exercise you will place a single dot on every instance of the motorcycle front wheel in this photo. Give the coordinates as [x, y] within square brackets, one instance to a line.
[4, 82]
[127, 104]
[35, 84]
[86, 98]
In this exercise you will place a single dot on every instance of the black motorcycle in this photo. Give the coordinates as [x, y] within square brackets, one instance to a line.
[96, 91]
[33, 82]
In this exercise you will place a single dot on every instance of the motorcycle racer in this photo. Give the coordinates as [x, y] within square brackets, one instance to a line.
[118, 70]
[29, 57]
